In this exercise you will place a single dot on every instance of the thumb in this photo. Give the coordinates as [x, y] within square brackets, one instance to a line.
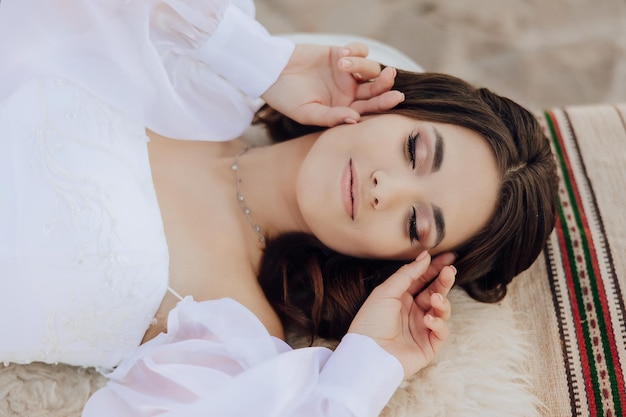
[399, 283]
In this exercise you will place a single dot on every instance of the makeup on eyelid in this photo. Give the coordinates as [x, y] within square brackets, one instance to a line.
[421, 151]
[420, 226]
[424, 150]
[423, 227]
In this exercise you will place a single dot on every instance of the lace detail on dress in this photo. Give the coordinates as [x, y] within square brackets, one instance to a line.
[85, 197]
[92, 228]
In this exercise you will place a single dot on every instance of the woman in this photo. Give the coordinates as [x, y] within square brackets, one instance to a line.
[487, 261]
[91, 199]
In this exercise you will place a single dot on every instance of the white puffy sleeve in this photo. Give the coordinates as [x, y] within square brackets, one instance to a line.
[217, 359]
[188, 69]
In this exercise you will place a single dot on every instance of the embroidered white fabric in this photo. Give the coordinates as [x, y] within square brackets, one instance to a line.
[82, 251]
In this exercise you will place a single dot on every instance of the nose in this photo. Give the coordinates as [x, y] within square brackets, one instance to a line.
[390, 189]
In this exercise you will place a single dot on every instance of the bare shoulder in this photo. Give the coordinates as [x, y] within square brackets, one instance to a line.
[265, 313]
[241, 284]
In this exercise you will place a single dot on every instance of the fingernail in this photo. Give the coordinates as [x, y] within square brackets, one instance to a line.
[439, 297]
[345, 52]
[422, 256]
[350, 121]
[454, 268]
[345, 63]
[428, 317]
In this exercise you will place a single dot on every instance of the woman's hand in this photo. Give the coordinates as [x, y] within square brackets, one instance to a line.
[406, 315]
[327, 86]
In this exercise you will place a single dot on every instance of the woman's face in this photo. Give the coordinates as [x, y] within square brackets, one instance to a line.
[392, 186]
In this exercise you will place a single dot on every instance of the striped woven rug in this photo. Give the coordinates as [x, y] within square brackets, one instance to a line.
[575, 300]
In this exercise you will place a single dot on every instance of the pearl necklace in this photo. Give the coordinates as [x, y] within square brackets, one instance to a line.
[241, 200]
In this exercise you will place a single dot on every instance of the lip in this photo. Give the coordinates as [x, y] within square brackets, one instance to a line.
[349, 190]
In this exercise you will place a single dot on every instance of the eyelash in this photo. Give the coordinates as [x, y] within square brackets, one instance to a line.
[413, 235]
[411, 143]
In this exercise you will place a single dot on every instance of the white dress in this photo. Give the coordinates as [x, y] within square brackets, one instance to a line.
[81, 232]
[83, 256]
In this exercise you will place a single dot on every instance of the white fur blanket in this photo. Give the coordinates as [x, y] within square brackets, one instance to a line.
[481, 372]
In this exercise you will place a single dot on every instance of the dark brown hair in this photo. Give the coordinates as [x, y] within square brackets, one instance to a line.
[321, 290]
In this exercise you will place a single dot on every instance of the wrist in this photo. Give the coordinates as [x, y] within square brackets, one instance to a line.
[295, 65]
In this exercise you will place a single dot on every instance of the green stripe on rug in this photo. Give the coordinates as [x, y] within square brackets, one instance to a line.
[594, 278]
[574, 230]
[567, 249]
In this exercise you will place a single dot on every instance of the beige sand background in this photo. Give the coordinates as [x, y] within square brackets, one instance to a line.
[543, 53]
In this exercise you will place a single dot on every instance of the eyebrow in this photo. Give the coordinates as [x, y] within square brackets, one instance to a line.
[438, 157]
[440, 224]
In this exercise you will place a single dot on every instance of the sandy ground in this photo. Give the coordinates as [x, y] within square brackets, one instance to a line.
[542, 53]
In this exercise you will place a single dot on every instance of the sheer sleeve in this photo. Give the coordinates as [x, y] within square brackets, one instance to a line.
[218, 359]
[188, 69]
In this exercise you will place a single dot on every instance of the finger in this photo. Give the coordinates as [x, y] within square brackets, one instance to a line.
[439, 331]
[441, 260]
[358, 49]
[383, 83]
[317, 114]
[441, 285]
[378, 104]
[366, 68]
[444, 283]
[441, 306]
[436, 265]
[399, 283]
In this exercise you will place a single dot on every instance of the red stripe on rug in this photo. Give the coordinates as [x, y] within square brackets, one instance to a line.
[606, 354]
[551, 255]
[563, 247]
[594, 260]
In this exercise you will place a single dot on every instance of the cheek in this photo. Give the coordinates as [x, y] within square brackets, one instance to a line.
[381, 239]
[385, 239]
[310, 192]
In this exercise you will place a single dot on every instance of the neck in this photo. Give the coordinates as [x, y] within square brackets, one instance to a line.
[268, 182]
